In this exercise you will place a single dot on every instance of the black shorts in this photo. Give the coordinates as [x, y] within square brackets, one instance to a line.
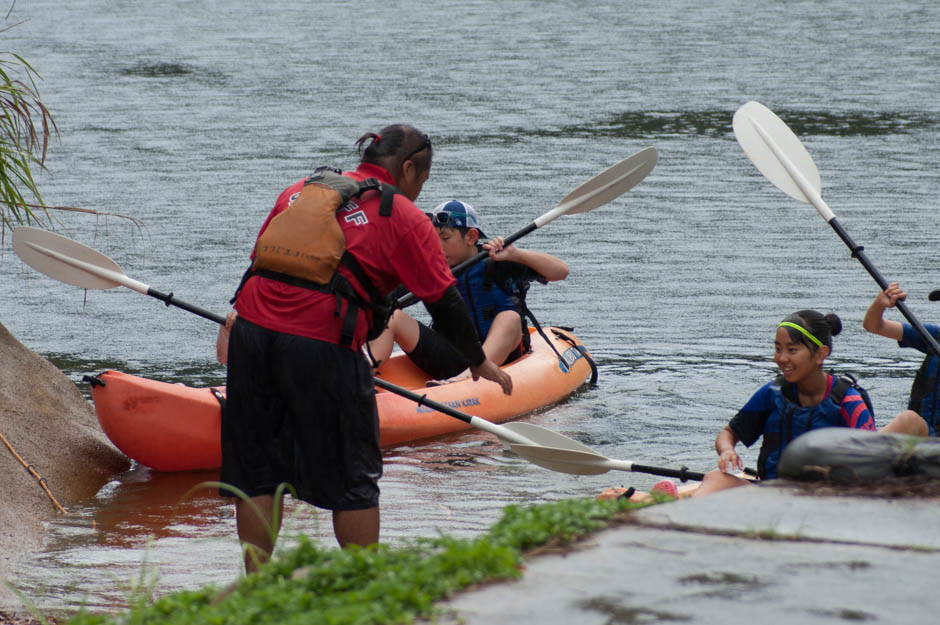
[300, 411]
[435, 355]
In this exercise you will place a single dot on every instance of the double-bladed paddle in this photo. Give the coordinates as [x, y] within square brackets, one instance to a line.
[778, 154]
[599, 190]
[587, 462]
[543, 447]
[71, 262]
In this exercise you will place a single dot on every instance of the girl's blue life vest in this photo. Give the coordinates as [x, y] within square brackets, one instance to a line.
[788, 419]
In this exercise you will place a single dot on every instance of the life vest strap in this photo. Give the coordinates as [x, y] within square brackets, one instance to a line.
[338, 286]
[342, 289]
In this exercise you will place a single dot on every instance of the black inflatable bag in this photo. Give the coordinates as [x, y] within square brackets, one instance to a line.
[847, 455]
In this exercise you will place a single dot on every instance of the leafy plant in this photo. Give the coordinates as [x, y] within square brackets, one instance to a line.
[25, 129]
[382, 584]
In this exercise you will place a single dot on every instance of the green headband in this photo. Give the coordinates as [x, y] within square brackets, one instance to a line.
[803, 330]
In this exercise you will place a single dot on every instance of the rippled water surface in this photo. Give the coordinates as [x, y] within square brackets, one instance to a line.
[193, 116]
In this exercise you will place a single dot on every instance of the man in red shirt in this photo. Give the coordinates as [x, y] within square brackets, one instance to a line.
[301, 402]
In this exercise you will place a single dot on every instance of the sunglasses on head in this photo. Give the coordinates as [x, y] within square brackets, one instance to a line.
[445, 219]
[425, 145]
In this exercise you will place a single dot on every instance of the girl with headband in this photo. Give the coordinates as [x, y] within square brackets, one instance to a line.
[803, 397]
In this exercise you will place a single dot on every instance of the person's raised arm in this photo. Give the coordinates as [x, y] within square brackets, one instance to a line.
[874, 320]
[550, 267]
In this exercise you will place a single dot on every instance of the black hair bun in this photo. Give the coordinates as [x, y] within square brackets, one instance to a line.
[835, 324]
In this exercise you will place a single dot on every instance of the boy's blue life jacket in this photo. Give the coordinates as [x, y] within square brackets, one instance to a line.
[489, 288]
[484, 299]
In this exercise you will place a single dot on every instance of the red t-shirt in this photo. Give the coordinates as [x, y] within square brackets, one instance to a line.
[403, 248]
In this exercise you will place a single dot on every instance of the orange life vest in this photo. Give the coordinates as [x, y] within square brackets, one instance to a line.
[304, 245]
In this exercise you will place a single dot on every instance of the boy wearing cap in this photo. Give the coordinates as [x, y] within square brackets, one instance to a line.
[494, 291]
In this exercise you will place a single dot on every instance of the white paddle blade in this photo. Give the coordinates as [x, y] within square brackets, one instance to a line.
[608, 185]
[545, 437]
[44, 251]
[776, 151]
[562, 460]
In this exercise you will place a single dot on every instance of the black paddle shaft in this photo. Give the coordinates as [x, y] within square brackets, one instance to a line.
[859, 253]
[682, 474]
[169, 300]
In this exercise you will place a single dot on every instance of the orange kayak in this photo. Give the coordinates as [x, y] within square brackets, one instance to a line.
[173, 427]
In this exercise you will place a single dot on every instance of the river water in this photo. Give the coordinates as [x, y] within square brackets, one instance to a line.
[192, 117]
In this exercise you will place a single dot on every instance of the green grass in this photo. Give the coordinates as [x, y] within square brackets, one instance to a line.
[378, 585]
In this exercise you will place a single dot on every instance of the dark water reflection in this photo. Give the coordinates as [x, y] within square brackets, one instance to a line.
[147, 505]
[859, 123]
[717, 124]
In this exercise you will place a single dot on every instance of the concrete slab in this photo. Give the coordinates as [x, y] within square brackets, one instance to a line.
[793, 511]
[702, 561]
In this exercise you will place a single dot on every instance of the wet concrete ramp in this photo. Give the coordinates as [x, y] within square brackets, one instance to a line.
[769, 554]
